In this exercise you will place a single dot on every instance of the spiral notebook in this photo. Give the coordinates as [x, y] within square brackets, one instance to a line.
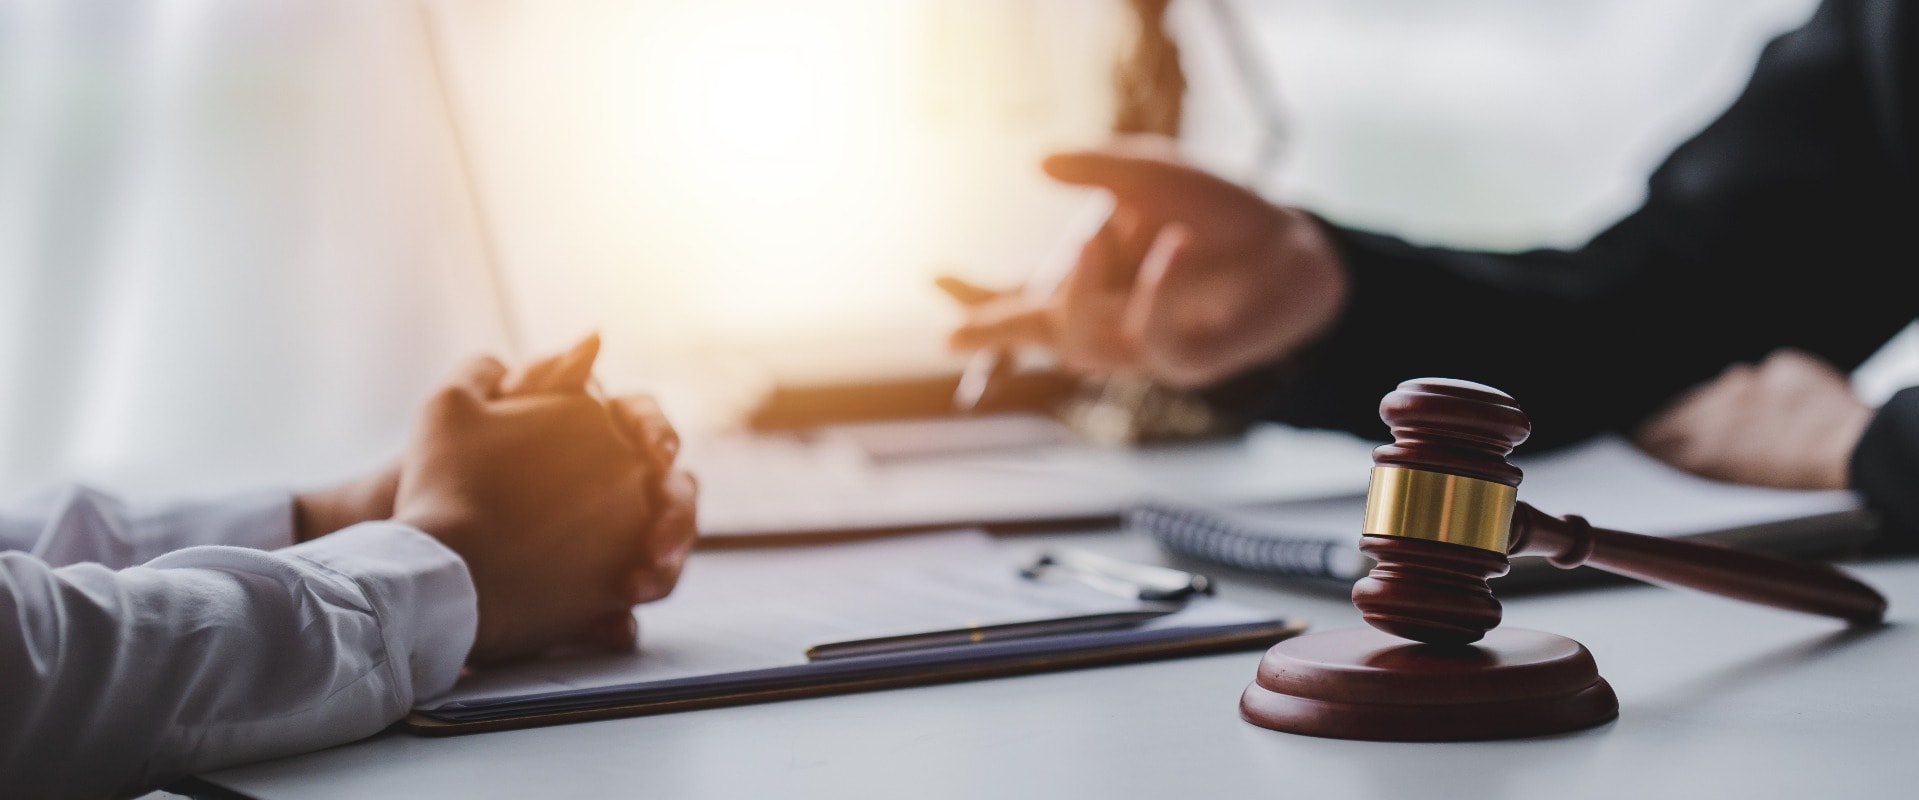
[1606, 480]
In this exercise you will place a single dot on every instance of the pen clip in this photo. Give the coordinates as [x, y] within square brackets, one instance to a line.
[1143, 582]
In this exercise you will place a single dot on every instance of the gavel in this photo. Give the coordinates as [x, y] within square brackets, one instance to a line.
[1442, 516]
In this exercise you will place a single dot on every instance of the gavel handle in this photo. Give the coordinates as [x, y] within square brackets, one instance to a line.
[1729, 572]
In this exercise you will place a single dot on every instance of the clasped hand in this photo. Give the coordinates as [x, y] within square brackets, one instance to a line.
[566, 507]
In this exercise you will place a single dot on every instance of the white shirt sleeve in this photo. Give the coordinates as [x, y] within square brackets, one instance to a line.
[74, 524]
[112, 682]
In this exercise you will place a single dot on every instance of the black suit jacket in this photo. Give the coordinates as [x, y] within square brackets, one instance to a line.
[1792, 220]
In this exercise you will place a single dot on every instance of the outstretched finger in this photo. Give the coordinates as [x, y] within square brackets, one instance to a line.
[1013, 325]
[569, 371]
[966, 294]
[1130, 177]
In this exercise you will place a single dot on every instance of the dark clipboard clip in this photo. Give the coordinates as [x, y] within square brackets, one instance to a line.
[1145, 582]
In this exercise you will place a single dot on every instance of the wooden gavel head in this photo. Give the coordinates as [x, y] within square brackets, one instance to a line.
[1441, 517]
[1439, 511]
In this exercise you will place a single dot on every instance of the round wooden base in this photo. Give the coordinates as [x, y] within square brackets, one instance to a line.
[1359, 683]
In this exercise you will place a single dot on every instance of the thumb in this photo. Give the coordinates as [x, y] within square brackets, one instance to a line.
[564, 372]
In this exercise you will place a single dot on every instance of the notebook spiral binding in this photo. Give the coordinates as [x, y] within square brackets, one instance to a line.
[1208, 536]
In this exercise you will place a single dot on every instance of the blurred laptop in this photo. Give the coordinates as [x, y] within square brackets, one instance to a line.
[1008, 472]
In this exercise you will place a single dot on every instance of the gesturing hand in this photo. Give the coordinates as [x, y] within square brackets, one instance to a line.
[565, 515]
[1192, 280]
[1792, 422]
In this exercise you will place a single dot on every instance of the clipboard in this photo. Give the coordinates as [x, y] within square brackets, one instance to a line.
[737, 631]
[948, 665]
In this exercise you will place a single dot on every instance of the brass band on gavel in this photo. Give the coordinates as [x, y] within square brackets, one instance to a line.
[1417, 504]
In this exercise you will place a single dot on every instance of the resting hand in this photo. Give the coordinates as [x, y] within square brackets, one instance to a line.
[1791, 422]
[318, 512]
[564, 519]
[1192, 280]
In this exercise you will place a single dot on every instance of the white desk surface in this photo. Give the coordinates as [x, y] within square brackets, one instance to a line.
[1717, 699]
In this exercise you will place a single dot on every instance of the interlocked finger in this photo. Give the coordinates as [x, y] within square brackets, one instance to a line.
[645, 425]
[669, 541]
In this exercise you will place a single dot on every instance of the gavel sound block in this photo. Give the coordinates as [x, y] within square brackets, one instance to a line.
[1441, 518]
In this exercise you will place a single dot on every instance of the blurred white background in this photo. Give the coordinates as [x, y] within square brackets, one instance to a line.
[238, 240]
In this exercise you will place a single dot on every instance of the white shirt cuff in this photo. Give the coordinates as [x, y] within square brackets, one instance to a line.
[421, 594]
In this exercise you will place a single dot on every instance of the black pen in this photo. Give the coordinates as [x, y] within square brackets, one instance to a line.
[974, 634]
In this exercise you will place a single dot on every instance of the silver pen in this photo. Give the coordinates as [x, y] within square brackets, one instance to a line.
[1038, 289]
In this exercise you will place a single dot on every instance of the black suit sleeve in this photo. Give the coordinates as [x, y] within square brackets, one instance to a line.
[1787, 222]
[1885, 466]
